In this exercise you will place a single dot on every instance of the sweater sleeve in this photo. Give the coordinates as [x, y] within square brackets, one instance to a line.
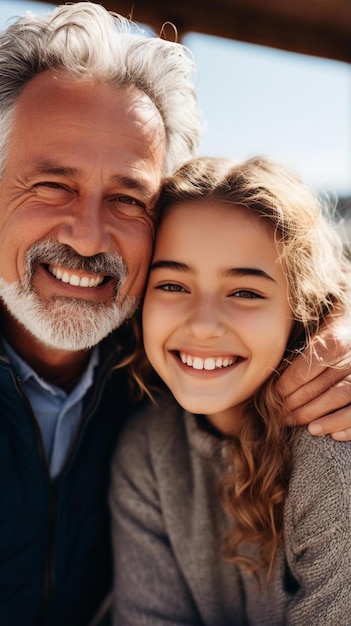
[149, 587]
[318, 532]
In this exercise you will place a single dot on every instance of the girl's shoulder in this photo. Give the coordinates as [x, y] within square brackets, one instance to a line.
[320, 483]
[322, 451]
[317, 530]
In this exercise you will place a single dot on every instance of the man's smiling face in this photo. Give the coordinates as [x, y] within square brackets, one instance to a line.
[82, 173]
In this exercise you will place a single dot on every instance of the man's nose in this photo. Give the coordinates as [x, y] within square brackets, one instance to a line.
[204, 320]
[85, 229]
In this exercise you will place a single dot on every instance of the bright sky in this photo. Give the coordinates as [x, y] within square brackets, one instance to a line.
[257, 100]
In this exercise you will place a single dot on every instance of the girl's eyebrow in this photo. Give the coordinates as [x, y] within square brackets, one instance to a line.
[226, 272]
[247, 271]
[170, 265]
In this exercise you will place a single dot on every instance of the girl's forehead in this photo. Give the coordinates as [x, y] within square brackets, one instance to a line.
[215, 232]
[187, 212]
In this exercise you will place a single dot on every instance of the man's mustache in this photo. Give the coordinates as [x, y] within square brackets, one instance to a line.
[56, 253]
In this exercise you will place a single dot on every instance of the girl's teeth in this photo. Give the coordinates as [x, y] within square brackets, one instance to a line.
[209, 364]
[197, 363]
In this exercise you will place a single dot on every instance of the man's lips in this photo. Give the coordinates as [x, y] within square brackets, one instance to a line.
[208, 363]
[74, 278]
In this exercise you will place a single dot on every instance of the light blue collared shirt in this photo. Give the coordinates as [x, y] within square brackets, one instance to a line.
[58, 413]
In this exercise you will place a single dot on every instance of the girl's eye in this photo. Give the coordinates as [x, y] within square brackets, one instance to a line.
[246, 294]
[171, 287]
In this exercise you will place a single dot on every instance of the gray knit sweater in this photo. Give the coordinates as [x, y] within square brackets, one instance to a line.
[168, 530]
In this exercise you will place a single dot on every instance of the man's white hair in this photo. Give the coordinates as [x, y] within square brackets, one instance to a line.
[91, 43]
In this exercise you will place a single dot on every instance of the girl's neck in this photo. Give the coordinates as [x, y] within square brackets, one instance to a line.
[229, 422]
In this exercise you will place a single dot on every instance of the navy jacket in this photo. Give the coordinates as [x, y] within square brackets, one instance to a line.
[55, 551]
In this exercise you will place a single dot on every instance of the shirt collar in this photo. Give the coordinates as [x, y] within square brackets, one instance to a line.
[26, 372]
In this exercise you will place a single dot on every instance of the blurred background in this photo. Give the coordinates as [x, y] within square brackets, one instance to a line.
[274, 78]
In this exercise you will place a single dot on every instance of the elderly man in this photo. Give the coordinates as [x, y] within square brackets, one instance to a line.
[92, 115]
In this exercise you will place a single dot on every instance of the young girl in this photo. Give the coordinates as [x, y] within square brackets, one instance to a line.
[222, 514]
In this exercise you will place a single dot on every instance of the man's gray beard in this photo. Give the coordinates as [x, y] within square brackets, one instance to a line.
[66, 323]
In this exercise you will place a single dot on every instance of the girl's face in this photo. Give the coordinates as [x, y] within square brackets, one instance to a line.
[216, 316]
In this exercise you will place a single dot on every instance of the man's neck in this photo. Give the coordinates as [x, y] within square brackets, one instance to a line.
[60, 367]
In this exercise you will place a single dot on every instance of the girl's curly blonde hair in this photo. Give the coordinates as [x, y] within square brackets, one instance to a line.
[316, 265]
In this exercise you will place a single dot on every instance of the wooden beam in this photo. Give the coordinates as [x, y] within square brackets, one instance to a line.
[252, 21]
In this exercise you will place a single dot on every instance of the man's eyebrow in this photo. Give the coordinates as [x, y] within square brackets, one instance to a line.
[126, 182]
[51, 170]
[135, 184]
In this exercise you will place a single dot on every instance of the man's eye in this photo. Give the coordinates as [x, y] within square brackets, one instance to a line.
[54, 184]
[171, 287]
[49, 185]
[127, 205]
[51, 191]
[127, 200]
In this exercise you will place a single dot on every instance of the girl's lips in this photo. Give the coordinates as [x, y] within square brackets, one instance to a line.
[207, 363]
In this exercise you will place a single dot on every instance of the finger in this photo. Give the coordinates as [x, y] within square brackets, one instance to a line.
[324, 352]
[342, 435]
[328, 392]
[335, 424]
[305, 367]
[328, 403]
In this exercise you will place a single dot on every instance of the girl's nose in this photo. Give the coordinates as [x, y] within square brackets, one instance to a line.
[205, 321]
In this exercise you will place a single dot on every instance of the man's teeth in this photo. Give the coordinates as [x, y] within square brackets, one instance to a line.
[210, 363]
[74, 279]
